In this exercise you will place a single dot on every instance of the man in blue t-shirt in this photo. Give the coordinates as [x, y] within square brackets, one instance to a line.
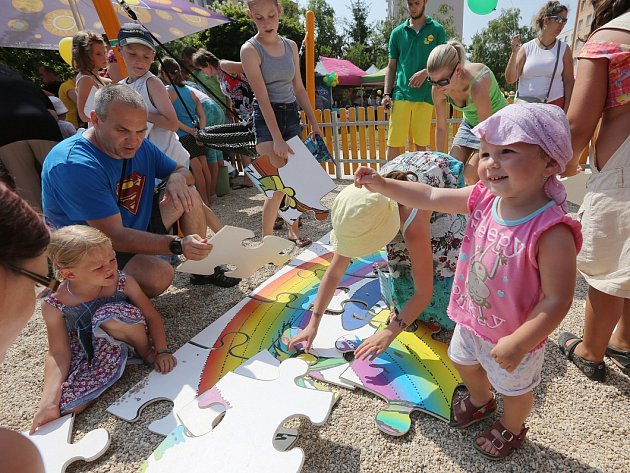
[104, 177]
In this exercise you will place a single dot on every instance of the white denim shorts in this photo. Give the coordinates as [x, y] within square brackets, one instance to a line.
[466, 348]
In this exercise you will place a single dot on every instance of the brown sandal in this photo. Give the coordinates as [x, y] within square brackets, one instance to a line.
[503, 440]
[465, 413]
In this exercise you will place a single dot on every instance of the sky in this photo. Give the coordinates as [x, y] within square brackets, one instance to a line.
[472, 22]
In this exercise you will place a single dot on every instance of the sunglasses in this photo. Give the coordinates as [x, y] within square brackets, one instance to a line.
[442, 82]
[44, 283]
[558, 19]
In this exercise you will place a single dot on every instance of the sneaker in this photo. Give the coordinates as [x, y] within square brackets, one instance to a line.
[218, 278]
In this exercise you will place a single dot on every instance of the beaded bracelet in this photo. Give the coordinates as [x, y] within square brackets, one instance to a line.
[162, 351]
[398, 321]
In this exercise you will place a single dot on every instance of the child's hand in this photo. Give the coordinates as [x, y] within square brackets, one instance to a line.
[44, 415]
[368, 177]
[281, 149]
[164, 362]
[374, 345]
[306, 336]
[507, 354]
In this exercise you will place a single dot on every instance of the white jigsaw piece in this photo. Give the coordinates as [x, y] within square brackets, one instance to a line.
[243, 440]
[179, 386]
[53, 442]
[227, 248]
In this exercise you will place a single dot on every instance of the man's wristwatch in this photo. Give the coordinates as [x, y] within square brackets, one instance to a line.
[387, 95]
[176, 246]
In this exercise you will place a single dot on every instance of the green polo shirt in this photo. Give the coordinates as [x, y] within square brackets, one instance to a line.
[411, 51]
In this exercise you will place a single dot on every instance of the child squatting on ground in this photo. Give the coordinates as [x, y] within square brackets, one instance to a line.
[515, 275]
[94, 319]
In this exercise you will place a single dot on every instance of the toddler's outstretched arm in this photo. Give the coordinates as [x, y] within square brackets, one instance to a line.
[164, 360]
[557, 254]
[414, 194]
[330, 281]
[56, 367]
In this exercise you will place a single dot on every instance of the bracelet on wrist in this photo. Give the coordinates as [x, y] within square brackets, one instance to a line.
[387, 95]
[162, 351]
[398, 321]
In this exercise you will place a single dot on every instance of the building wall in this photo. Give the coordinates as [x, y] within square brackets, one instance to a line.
[582, 26]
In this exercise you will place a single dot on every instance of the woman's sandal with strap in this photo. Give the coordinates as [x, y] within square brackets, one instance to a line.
[465, 413]
[503, 441]
[595, 370]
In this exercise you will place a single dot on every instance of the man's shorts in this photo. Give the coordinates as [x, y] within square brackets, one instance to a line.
[405, 114]
[466, 348]
[156, 225]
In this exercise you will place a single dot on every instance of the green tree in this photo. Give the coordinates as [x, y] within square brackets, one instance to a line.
[358, 29]
[27, 62]
[444, 16]
[491, 45]
[327, 41]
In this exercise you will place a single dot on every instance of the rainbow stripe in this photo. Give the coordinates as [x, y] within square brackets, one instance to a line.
[282, 303]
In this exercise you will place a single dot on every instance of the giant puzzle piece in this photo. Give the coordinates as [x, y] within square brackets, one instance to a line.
[243, 439]
[414, 373]
[177, 386]
[227, 248]
[302, 179]
[53, 442]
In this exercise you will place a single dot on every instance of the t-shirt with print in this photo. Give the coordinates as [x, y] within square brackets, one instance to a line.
[80, 183]
[497, 280]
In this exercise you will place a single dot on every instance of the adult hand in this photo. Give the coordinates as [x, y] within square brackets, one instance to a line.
[386, 102]
[368, 177]
[516, 42]
[418, 78]
[195, 248]
[305, 337]
[44, 415]
[164, 363]
[507, 354]
[178, 193]
[374, 345]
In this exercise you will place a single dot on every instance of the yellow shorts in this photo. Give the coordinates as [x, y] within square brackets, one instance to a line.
[404, 114]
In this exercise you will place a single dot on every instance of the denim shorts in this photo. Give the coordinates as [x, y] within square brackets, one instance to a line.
[287, 117]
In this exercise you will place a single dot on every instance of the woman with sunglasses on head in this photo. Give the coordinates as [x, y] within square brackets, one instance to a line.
[469, 87]
[23, 265]
[543, 66]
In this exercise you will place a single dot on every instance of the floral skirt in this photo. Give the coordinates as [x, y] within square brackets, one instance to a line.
[89, 379]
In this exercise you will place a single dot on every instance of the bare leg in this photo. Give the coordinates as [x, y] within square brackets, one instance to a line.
[132, 334]
[270, 211]
[212, 220]
[294, 230]
[193, 222]
[476, 381]
[621, 337]
[246, 161]
[393, 151]
[211, 179]
[200, 181]
[154, 275]
[603, 311]
[515, 411]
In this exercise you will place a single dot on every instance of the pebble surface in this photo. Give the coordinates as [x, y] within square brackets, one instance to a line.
[577, 425]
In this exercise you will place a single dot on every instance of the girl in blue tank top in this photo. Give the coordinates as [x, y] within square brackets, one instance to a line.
[272, 67]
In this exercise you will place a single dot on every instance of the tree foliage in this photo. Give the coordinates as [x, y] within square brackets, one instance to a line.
[366, 43]
[491, 45]
[328, 42]
[444, 16]
[27, 62]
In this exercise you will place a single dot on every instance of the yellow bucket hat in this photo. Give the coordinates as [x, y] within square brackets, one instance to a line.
[363, 222]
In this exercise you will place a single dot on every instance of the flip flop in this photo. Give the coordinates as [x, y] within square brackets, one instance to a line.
[301, 242]
[619, 357]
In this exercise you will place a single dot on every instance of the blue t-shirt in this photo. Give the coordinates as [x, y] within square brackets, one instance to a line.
[80, 183]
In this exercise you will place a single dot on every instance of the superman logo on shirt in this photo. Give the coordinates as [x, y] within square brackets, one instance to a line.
[131, 192]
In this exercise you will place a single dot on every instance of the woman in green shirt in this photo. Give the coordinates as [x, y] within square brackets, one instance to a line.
[469, 87]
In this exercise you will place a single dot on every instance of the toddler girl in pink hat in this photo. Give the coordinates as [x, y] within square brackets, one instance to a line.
[515, 275]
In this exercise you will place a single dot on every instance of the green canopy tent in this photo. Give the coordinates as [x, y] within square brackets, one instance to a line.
[374, 79]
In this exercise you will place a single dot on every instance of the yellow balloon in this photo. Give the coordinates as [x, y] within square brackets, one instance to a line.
[65, 49]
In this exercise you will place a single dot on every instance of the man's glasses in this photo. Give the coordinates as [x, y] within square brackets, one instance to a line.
[558, 19]
[442, 82]
[43, 282]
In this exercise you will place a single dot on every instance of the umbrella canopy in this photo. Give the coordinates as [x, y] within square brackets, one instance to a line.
[40, 24]
[348, 73]
[376, 78]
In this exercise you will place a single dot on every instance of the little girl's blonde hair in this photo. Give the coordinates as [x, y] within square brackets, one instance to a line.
[69, 245]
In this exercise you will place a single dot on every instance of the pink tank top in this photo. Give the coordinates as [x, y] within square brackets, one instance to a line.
[497, 282]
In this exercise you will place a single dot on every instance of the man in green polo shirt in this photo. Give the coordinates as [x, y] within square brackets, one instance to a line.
[406, 91]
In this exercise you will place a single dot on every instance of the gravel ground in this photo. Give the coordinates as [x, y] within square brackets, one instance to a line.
[577, 425]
